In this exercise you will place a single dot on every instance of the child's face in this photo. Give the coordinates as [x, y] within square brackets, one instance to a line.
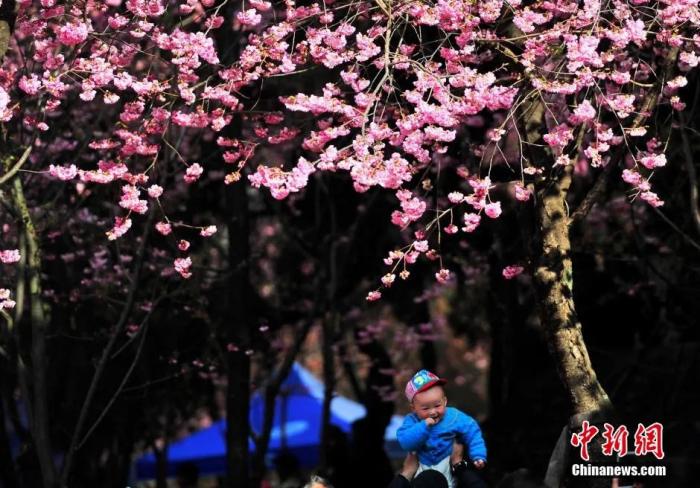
[430, 403]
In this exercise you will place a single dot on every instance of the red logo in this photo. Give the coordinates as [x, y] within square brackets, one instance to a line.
[615, 440]
[583, 438]
[647, 440]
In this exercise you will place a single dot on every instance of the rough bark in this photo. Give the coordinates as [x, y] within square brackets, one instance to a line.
[554, 285]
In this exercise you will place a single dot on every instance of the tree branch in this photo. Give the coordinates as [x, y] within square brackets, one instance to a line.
[18, 165]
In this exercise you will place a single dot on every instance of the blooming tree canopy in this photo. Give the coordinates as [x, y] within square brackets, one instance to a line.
[418, 87]
[118, 100]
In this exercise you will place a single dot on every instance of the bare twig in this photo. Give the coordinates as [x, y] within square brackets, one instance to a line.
[685, 236]
[106, 353]
[116, 394]
[17, 166]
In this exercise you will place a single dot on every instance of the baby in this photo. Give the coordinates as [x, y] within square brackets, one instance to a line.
[433, 427]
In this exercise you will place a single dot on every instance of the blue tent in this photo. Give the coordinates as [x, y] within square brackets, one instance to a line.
[296, 427]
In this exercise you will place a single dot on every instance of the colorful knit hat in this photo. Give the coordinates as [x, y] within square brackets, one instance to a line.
[421, 381]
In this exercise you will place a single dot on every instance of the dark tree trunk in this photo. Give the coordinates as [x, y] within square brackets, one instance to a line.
[7, 466]
[161, 466]
[368, 433]
[272, 389]
[39, 320]
[238, 323]
[330, 325]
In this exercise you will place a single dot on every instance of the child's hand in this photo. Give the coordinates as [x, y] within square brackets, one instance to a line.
[479, 464]
[430, 421]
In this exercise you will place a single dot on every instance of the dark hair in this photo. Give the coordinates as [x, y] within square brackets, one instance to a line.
[430, 479]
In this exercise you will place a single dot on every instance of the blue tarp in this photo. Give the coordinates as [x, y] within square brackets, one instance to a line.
[296, 427]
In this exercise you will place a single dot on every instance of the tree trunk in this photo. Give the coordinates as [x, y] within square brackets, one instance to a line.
[8, 475]
[554, 287]
[38, 312]
[238, 321]
[272, 390]
[161, 466]
[330, 326]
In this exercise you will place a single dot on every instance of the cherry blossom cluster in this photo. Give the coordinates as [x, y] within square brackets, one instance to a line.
[131, 73]
[415, 76]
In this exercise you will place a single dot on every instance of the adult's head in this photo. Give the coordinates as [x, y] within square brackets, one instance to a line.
[318, 482]
[429, 479]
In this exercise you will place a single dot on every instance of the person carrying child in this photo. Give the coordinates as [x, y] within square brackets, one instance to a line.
[433, 427]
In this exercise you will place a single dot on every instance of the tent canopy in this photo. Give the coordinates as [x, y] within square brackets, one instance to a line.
[296, 428]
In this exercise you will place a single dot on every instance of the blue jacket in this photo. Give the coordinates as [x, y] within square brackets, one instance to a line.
[433, 444]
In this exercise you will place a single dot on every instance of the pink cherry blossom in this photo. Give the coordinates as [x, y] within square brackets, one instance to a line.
[5, 301]
[522, 194]
[455, 197]
[510, 272]
[373, 296]
[493, 209]
[421, 246]
[121, 227]
[62, 172]
[559, 137]
[183, 245]
[193, 173]
[30, 85]
[131, 201]
[73, 34]
[182, 266]
[651, 198]
[443, 275]
[249, 17]
[651, 161]
[388, 279]
[208, 231]
[451, 229]
[155, 191]
[584, 112]
[471, 222]
[164, 228]
[9, 256]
